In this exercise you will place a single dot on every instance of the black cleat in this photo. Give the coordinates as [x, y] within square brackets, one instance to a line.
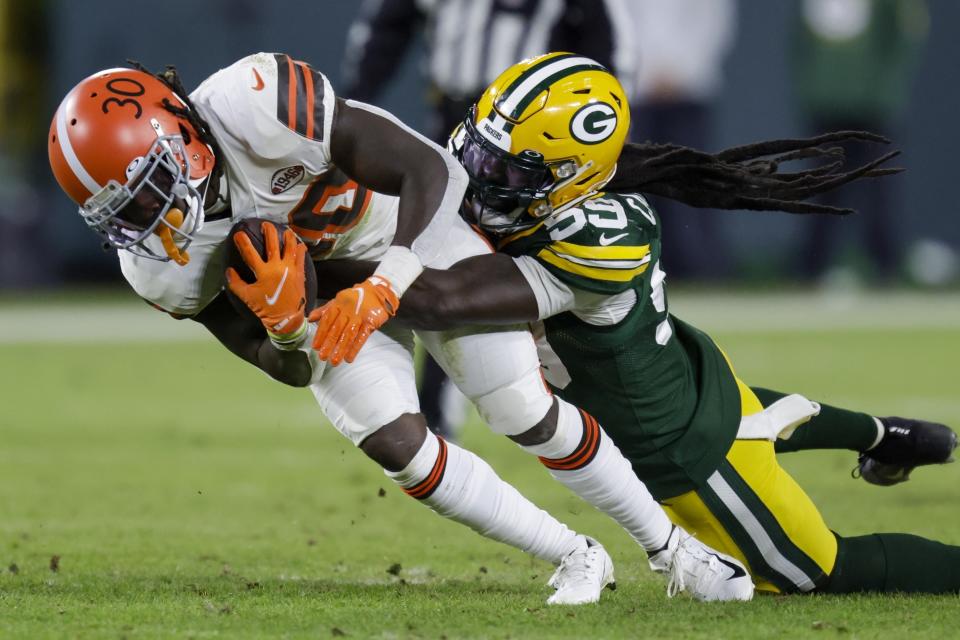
[906, 444]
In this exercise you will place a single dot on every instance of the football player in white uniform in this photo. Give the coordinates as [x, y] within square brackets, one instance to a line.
[164, 176]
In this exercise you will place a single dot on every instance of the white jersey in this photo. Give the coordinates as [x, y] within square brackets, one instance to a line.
[271, 116]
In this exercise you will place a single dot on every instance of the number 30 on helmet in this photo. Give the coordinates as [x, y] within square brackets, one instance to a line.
[134, 167]
[543, 137]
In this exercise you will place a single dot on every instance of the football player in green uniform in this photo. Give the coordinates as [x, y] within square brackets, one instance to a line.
[578, 252]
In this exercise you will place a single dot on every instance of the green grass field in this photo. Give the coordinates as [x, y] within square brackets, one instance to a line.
[153, 486]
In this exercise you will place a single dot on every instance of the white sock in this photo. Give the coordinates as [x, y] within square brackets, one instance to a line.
[582, 457]
[459, 485]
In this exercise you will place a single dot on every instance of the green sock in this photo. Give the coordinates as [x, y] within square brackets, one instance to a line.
[833, 428]
[889, 562]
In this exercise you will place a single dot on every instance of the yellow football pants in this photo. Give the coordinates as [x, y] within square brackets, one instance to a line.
[751, 509]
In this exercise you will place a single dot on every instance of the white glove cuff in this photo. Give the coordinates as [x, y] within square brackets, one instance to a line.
[400, 267]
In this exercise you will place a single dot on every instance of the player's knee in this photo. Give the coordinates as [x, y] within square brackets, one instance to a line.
[540, 432]
[394, 445]
[516, 408]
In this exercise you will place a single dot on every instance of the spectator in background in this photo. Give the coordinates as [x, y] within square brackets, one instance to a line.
[469, 42]
[681, 47]
[854, 61]
[24, 66]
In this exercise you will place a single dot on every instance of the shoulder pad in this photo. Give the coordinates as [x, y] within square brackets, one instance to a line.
[303, 96]
[599, 246]
[273, 103]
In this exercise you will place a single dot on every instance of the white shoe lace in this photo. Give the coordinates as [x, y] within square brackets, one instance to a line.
[582, 574]
[574, 568]
[675, 585]
[688, 547]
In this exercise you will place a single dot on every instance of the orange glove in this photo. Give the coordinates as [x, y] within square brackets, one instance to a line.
[278, 294]
[345, 323]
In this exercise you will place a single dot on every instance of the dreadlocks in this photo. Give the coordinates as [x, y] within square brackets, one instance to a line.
[747, 177]
[188, 112]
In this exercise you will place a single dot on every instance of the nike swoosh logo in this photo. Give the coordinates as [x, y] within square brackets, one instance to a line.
[604, 240]
[272, 300]
[259, 85]
[359, 291]
[738, 571]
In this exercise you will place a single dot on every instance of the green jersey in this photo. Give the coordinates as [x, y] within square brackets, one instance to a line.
[659, 387]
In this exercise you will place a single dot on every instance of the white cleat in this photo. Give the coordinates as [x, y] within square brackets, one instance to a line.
[700, 571]
[582, 574]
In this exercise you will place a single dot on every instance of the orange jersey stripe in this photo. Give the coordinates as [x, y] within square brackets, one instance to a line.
[308, 83]
[585, 451]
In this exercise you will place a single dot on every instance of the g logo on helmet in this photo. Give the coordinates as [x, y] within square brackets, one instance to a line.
[593, 123]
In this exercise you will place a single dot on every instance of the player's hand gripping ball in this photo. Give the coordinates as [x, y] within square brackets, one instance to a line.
[269, 274]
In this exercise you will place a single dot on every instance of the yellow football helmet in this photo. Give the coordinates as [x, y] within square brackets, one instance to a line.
[544, 136]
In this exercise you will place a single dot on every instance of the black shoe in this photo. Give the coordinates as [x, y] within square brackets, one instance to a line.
[906, 444]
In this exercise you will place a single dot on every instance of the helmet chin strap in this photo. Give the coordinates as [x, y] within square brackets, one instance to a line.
[172, 220]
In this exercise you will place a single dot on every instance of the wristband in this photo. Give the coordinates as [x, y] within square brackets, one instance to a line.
[289, 341]
[305, 344]
[400, 267]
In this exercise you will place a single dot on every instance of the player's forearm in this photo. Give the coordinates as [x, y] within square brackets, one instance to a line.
[246, 338]
[484, 290]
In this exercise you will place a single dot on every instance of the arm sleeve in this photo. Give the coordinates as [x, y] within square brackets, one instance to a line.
[554, 296]
[376, 44]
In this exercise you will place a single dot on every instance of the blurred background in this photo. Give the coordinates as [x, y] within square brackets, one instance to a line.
[707, 73]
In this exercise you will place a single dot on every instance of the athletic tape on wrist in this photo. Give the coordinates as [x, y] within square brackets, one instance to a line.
[289, 341]
[400, 267]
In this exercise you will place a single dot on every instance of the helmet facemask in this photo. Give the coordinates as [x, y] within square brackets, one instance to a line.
[159, 209]
[504, 188]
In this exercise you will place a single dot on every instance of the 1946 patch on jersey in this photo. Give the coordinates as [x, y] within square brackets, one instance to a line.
[286, 178]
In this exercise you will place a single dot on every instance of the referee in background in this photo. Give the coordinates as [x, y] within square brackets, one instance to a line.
[469, 42]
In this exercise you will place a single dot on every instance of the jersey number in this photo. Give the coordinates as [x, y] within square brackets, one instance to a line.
[602, 214]
[609, 214]
[328, 209]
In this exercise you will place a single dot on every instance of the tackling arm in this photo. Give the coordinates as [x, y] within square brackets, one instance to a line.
[486, 289]
[376, 150]
[247, 338]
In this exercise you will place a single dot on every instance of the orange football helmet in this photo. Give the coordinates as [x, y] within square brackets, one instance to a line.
[134, 167]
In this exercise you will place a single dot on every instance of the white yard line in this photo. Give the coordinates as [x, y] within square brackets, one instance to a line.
[721, 312]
